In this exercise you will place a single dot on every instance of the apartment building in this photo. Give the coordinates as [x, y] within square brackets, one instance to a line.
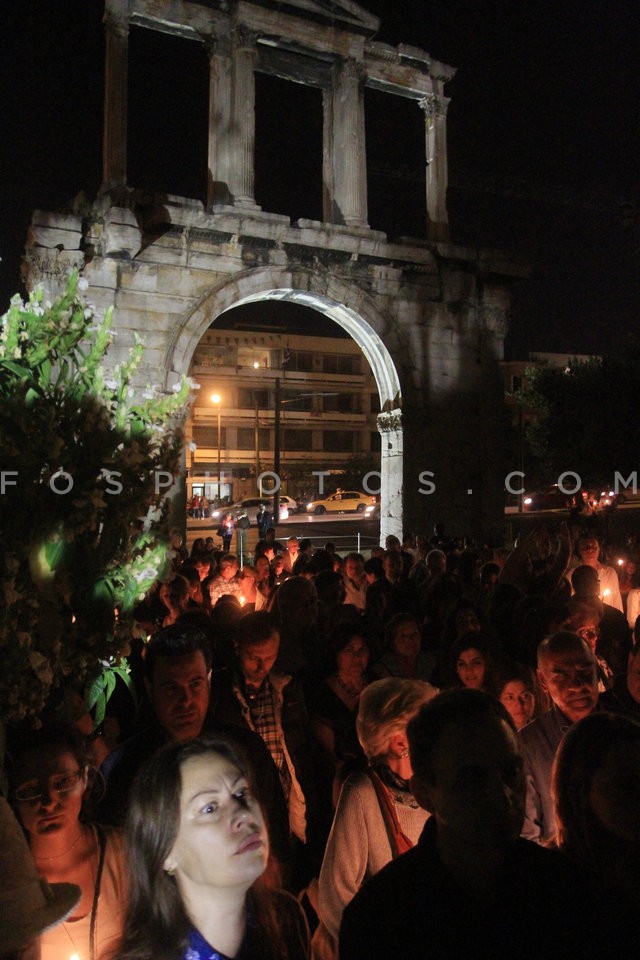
[328, 404]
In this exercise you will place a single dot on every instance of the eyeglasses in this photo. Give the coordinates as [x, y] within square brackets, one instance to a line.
[587, 633]
[57, 787]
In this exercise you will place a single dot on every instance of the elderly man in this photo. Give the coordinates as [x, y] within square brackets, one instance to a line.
[567, 672]
[471, 887]
[226, 579]
[291, 553]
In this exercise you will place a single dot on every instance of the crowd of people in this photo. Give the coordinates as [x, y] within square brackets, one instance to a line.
[431, 752]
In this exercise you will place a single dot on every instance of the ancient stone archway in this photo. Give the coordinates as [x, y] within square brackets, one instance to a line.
[430, 315]
[352, 310]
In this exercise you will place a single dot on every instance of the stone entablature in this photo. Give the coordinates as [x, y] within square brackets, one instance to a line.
[327, 48]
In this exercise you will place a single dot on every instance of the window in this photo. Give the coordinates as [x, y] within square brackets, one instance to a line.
[248, 397]
[374, 402]
[340, 363]
[208, 436]
[297, 439]
[338, 441]
[293, 401]
[246, 438]
[341, 403]
[374, 441]
[299, 360]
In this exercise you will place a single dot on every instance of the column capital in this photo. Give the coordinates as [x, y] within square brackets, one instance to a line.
[245, 38]
[352, 70]
[389, 422]
[433, 106]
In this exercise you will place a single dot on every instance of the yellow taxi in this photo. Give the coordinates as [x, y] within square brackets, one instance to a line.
[343, 501]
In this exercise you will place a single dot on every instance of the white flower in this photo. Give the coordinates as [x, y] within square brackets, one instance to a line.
[88, 313]
[48, 304]
[192, 384]
[150, 393]
[111, 384]
[17, 354]
[23, 336]
[83, 284]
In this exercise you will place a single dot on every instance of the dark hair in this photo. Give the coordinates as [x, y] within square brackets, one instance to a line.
[179, 640]
[580, 755]
[459, 705]
[583, 578]
[473, 640]
[157, 926]
[256, 628]
[526, 675]
[330, 587]
[374, 567]
[49, 740]
[340, 638]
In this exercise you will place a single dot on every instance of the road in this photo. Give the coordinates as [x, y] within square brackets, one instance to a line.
[348, 531]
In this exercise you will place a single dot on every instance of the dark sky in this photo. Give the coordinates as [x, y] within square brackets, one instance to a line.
[543, 141]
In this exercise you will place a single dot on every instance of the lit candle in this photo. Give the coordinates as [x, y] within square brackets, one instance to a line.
[605, 593]
[242, 601]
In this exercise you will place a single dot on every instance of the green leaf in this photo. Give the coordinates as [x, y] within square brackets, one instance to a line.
[94, 691]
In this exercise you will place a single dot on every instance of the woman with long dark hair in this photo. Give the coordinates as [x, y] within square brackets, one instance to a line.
[49, 776]
[199, 845]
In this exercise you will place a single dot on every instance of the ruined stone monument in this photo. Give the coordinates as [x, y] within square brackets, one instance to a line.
[429, 316]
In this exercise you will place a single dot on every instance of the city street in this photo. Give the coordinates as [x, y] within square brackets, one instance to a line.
[347, 531]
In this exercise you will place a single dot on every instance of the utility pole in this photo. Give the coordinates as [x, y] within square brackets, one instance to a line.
[276, 454]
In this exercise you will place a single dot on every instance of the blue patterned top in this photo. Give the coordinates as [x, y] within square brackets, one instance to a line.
[199, 949]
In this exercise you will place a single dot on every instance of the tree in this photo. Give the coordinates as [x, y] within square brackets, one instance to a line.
[83, 460]
[583, 418]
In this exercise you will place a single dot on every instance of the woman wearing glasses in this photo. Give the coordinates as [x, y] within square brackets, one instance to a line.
[49, 773]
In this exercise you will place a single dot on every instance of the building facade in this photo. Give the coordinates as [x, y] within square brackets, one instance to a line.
[328, 407]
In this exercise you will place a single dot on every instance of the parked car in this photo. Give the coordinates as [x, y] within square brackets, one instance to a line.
[251, 507]
[291, 504]
[343, 501]
[549, 498]
[628, 494]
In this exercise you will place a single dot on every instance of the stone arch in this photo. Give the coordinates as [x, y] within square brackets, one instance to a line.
[353, 310]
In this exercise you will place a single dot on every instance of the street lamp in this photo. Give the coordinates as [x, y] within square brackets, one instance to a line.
[217, 400]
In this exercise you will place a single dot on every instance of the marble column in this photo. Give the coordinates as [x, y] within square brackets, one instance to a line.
[344, 162]
[243, 122]
[114, 143]
[220, 122]
[391, 470]
[435, 111]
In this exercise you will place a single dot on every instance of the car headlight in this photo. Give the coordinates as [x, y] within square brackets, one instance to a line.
[309, 506]
[528, 501]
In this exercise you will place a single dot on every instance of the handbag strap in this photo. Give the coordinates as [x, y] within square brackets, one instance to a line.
[398, 840]
[102, 842]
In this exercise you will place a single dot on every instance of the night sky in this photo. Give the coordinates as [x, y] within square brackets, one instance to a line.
[543, 142]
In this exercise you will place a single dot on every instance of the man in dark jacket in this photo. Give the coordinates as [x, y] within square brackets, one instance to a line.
[177, 669]
[472, 888]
